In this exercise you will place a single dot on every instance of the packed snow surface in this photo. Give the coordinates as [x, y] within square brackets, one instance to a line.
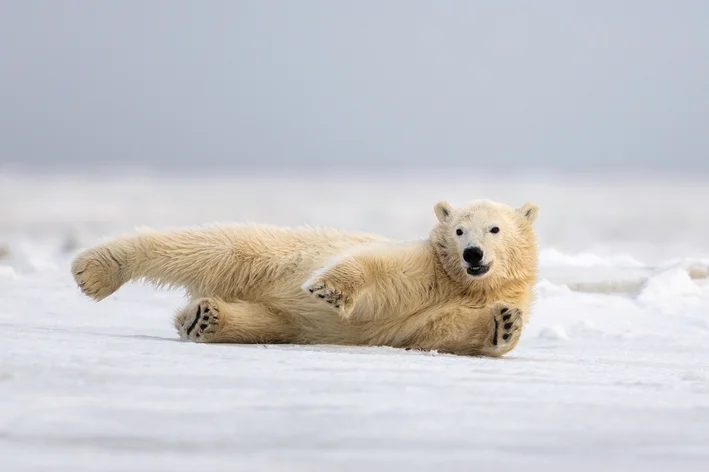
[612, 372]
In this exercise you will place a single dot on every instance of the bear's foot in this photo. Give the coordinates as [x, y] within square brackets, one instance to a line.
[98, 272]
[507, 324]
[323, 290]
[199, 322]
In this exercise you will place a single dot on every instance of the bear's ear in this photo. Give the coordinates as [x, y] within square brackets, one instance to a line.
[443, 211]
[529, 211]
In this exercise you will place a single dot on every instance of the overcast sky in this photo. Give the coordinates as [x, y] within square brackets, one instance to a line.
[548, 84]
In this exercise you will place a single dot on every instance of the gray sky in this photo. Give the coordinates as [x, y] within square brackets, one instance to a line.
[548, 84]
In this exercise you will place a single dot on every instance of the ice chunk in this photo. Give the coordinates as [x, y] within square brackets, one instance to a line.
[668, 284]
[553, 332]
[546, 288]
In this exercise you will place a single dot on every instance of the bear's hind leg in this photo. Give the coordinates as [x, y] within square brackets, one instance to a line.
[209, 320]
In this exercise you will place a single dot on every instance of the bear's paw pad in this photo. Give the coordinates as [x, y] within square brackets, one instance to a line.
[322, 290]
[199, 322]
[508, 322]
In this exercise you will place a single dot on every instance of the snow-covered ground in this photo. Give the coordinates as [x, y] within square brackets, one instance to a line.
[611, 374]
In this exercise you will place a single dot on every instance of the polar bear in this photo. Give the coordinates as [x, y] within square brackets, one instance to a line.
[466, 289]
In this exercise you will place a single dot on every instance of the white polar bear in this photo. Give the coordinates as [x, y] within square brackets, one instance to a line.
[467, 289]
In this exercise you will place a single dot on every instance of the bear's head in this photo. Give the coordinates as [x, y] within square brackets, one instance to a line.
[486, 242]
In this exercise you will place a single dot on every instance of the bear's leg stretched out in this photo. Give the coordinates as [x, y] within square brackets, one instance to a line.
[228, 262]
[210, 320]
[205, 261]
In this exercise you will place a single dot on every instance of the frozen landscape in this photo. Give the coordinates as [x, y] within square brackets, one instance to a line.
[612, 373]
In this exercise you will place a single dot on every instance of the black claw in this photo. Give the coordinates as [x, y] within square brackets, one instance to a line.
[194, 323]
[508, 325]
[203, 326]
[311, 290]
[494, 338]
[506, 336]
[506, 317]
[337, 306]
[503, 311]
[197, 335]
[321, 295]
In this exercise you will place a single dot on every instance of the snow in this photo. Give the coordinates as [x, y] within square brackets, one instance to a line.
[612, 372]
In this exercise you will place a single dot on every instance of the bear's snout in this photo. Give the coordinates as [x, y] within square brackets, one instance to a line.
[473, 255]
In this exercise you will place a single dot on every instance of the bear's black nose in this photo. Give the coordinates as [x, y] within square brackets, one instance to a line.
[473, 255]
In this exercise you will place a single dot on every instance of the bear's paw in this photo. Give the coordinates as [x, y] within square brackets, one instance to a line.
[507, 327]
[98, 272]
[199, 322]
[327, 292]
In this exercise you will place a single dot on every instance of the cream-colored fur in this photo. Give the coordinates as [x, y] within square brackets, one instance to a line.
[261, 284]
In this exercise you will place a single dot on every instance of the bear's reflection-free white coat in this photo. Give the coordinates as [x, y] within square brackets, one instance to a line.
[262, 284]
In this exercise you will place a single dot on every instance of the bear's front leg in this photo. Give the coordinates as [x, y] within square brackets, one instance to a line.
[337, 286]
[491, 331]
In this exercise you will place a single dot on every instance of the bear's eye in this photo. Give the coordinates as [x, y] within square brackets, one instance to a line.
[459, 232]
[494, 230]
